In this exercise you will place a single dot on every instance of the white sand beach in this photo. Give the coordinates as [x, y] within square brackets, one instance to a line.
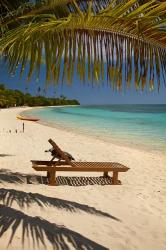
[75, 214]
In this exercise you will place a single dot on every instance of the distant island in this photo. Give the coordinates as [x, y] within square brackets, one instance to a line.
[16, 98]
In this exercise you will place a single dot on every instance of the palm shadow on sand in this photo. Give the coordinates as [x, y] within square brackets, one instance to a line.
[38, 229]
[7, 176]
[5, 155]
[25, 200]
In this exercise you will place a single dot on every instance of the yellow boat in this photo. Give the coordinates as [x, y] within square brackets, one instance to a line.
[27, 118]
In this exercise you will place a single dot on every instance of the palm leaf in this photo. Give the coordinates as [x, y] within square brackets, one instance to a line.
[122, 36]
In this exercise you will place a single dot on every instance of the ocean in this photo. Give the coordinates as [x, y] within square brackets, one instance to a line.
[140, 126]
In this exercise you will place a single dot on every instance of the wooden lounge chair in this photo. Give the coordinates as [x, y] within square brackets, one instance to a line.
[51, 167]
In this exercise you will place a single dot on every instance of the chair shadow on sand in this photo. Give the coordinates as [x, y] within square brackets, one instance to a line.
[20, 178]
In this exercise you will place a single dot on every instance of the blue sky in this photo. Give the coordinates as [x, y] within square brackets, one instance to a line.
[85, 93]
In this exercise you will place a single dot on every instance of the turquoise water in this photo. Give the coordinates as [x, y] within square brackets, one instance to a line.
[136, 125]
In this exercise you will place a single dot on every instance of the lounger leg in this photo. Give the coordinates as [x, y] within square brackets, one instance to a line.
[105, 175]
[52, 181]
[48, 174]
[115, 180]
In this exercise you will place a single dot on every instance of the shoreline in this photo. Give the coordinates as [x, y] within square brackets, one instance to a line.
[118, 141]
[133, 212]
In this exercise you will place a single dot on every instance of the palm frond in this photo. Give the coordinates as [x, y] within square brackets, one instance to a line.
[118, 42]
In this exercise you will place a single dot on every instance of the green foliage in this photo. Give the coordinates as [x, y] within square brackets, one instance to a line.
[2, 87]
[14, 98]
[117, 40]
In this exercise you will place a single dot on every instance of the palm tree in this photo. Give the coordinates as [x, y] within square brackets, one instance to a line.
[121, 40]
[38, 91]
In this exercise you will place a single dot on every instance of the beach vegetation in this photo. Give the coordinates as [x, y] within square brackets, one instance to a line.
[121, 41]
[16, 98]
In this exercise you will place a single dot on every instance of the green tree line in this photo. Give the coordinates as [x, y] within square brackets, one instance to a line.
[15, 98]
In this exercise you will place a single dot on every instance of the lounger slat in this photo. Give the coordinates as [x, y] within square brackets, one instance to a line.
[83, 164]
[100, 164]
[48, 163]
[79, 169]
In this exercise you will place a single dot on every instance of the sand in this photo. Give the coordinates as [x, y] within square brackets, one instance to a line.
[81, 212]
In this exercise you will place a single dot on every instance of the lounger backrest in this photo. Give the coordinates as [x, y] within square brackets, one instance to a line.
[61, 153]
